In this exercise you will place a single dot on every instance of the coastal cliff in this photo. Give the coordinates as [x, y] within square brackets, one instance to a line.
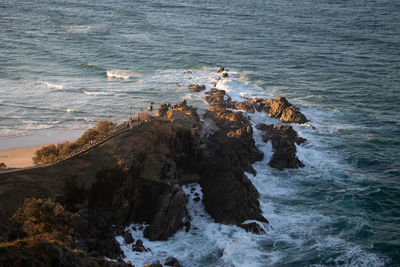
[137, 176]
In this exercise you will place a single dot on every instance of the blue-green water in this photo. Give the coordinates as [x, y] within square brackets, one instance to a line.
[338, 60]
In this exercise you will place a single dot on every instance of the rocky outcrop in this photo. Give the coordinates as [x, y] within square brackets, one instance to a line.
[162, 110]
[229, 196]
[169, 215]
[283, 139]
[195, 88]
[278, 108]
[218, 99]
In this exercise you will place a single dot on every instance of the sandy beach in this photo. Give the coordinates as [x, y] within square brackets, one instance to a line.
[19, 157]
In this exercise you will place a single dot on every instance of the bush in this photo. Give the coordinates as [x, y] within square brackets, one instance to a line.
[88, 136]
[44, 219]
[104, 127]
[3, 165]
[46, 154]
[52, 153]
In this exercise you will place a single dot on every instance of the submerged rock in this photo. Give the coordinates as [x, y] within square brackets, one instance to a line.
[253, 227]
[171, 261]
[195, 88]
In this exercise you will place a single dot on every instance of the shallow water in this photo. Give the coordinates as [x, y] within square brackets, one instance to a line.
[65, 65]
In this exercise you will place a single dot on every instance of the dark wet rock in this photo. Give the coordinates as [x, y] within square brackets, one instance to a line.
[138, 246]
[220, 69]
[253, 227]
[187, 225]
[128, 238]
[228, 195]
[171, 261]
[169, 215]
[224, 75]
[196, 199]
[283, 139]
[154, 265]
[234, 128]
[195, 88]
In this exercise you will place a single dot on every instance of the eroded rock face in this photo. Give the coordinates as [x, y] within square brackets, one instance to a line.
[169, 215]
[283, 139]
[229, 196]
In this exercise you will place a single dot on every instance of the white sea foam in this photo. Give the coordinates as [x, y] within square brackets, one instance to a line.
[77, 28]
[121, 74]
[98, 93]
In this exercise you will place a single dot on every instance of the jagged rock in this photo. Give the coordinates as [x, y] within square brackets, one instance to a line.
[253, 227]
[171, 261]
[162, 110]
[150, 106]
[236, 126]
[283, 139]
[169, 215]
[278, 108]
[228, 195]
[195, 88]
[245, 106]
[128, 238]
[224, 75]
[218, 99]
[220, 69]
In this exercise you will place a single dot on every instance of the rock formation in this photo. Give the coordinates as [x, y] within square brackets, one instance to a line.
[283, 139]
[137, 176]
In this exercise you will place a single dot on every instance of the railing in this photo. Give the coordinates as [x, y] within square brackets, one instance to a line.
[131, 126]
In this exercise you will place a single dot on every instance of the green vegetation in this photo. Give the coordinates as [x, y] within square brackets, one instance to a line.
[52, 153]
[45, 220]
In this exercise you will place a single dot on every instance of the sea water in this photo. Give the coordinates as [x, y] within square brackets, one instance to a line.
[64, 65]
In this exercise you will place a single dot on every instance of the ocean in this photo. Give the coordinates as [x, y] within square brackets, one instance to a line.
[64, 65]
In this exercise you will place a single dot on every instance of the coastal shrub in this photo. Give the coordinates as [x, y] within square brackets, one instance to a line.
[51, 153]
[44, 219]
[104, 127]
[46, 154]
[87, 136]
[3, 165]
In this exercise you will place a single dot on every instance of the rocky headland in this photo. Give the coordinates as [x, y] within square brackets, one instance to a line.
[137, 177]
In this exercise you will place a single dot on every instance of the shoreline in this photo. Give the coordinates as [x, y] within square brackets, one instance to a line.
[20, 157]
[17, 152]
